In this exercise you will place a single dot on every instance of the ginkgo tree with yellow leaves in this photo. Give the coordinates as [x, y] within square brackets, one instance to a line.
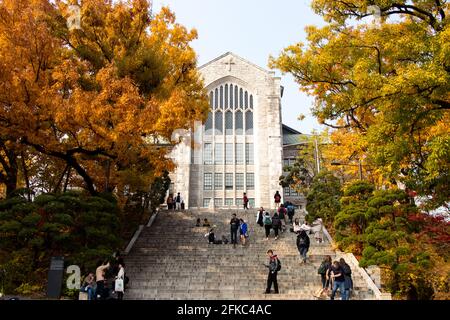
[385, 86]
[384, 89]
[101, 98]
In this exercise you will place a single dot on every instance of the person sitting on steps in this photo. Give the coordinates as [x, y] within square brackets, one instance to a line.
[212, 238]
[317, 229]
[206, 223]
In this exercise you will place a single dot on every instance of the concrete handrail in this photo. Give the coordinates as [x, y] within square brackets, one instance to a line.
[139, 230]
[350, 258]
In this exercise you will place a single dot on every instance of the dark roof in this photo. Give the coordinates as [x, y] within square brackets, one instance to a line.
[291, 136]
[289, 130]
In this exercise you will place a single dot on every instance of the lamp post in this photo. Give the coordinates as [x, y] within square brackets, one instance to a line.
[336, 163]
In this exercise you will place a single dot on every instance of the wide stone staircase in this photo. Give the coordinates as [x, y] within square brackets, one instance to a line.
[172, 259]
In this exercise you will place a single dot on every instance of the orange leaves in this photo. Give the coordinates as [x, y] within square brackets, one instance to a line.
[96, 93]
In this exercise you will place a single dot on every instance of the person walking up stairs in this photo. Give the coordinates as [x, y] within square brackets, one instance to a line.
[274, 266]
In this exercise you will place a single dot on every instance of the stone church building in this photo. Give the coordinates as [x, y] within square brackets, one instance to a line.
[240, 147]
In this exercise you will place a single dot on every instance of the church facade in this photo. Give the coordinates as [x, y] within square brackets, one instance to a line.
[240, 147]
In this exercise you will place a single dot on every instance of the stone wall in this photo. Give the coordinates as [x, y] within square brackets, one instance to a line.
[267, 134]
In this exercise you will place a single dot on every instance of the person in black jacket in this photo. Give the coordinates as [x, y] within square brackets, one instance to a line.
[273, 267]
[303, 244]
[348, 282]
[276, 224]
[234, 227]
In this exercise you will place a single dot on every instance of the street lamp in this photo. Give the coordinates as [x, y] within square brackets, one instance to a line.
[336, 163]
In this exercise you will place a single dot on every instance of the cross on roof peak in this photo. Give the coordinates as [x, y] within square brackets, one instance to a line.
[229, 63]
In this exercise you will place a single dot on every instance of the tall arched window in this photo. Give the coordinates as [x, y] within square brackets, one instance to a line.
[221, 120]
[231, 96]
[211, 100]
[216, 98]
[209, 124]
[226, 96]
[229, 123]
[246, 99]
[249, 123]
[218, 122]
[241, 98]
[239, 123]
[221, 97]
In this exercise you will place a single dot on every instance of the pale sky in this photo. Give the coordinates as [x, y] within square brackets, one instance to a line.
[252, 29]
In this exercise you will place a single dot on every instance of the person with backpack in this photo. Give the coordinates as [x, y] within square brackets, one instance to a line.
[303, 245]
[260, 217]
[267, 224]
[282, 214]
[290, 212]
[234, 227]
[277, 198]
[276, 224]
[245, 201]
[348, 282]
[243, 231]
[339, 280]
[323, 270]
[274, 266]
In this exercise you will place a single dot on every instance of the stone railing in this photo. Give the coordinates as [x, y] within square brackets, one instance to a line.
[139, 230]
[354, 263]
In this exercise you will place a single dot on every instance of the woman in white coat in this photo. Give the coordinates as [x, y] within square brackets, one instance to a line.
[121, 277]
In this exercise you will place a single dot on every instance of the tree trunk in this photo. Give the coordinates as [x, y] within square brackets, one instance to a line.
[9, 164]
[87, 179]
[67, 179]
[11, 184]
[25, 175]
[55, 190]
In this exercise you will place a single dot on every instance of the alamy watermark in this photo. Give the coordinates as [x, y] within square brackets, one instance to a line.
[74, 280]
[375, 11]
[74, 18]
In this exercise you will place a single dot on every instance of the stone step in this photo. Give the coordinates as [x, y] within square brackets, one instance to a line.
[180, 264]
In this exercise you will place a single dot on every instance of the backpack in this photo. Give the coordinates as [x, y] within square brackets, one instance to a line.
[290, 210]
[323, 268]
[346, 269]
[267, 221]
[301, 241]
[278, 265]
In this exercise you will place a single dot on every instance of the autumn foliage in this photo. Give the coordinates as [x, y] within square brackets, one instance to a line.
[383, 86]
[100, 100]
